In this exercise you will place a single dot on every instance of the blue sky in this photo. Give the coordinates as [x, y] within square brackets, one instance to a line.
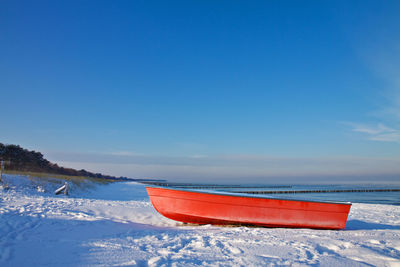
[186, 90]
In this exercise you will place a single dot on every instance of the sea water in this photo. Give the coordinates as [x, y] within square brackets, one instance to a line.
[391, 198]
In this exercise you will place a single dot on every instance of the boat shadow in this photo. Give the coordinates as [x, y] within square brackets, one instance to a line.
[362, 225]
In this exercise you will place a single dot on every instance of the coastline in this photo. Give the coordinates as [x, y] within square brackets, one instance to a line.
[115, 224]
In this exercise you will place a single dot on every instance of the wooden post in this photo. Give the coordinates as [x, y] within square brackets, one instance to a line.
[66, 189]
[1, 171]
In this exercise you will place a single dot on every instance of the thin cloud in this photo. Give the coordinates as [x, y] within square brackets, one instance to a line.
[387, 137]
[123, 153]
[379, 132]
[382, 56]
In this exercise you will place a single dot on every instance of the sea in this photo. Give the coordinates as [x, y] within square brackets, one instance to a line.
[355, 193]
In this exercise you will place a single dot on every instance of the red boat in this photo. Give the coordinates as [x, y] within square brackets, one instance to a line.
[221, 208]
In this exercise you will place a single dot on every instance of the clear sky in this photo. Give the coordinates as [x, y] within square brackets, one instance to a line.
[205, 90]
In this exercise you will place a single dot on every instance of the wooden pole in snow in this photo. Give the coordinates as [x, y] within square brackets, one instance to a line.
[1, 171]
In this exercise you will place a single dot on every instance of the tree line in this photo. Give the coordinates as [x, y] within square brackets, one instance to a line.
[20, 159]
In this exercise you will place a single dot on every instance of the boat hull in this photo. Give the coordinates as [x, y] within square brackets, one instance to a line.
[221, 209]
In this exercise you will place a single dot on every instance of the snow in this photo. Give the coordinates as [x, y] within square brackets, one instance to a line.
[116, 225]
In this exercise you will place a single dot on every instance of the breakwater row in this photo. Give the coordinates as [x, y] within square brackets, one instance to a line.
[212, 186]
[320, 191]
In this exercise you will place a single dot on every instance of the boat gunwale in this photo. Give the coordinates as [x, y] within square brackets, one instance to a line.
[232, 194]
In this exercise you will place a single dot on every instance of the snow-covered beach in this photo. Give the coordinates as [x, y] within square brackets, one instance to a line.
[116, 225]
